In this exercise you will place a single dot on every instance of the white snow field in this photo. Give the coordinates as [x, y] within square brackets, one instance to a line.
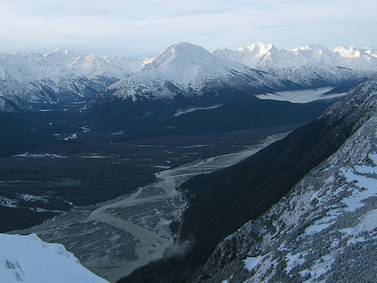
[27, 259]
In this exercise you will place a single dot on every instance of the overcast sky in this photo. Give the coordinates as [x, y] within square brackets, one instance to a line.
[146, 27]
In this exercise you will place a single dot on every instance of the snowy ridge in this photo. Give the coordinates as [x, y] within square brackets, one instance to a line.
[325, 230]
[188, 69]
[308, 64]
[26, 67]
[28, 259]
[183, 69]
[58, 76]
[261, 55]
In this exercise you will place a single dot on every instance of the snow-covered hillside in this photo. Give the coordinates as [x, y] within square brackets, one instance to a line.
[306, 65]
[325, 230]
[61, 75]
[26, 67]
[187, 69]
[28, 259]
[268, 56]
[183, 69]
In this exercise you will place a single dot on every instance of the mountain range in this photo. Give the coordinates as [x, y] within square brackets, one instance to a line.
[189, 70]
[300, 209]
[58, 77]
[307, 65]
[183, 70]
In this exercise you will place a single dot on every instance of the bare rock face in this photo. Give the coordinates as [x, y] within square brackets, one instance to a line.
[325, 230]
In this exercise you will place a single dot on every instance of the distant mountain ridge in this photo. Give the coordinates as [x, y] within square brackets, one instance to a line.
[186, 69]
[182, 70]
[60, 63]
[306, 65]
[28, 79]
[261, 55]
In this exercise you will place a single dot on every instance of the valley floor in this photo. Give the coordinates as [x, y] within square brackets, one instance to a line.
[116, 237]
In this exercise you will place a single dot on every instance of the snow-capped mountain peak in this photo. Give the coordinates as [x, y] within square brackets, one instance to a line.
[183, 65]
[186, 69]
[347, 52]
[60, 52]
[252, 55]
[183, 49]
[182, 55]
[261, 55]
[260, 49]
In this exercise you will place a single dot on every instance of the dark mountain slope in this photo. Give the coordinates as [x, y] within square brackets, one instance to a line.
[158, 118]
[324, 230]
[221, 202]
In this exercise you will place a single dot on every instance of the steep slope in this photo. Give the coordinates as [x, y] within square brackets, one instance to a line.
[60, 76]
[324, 230]
[221, 202]
[310, 66]
[28, 259]
[188, 70]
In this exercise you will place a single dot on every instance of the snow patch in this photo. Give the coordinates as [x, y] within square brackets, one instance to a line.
[252, 262]
[39, 155]
[7, 202]
[293, 260]
[71, 137]
[368, 188]
[189, 110]
[28, 259]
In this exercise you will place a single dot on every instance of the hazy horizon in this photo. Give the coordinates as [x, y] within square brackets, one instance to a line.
[43, 51]
[145, 28]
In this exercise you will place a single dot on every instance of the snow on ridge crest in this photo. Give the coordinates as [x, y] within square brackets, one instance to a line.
[27, 67]
[266, 55]
[349, 52]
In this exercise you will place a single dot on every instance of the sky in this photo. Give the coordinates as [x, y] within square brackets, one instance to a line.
[142, 28]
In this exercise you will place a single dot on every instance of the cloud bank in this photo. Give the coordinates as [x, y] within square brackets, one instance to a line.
[146, 27]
